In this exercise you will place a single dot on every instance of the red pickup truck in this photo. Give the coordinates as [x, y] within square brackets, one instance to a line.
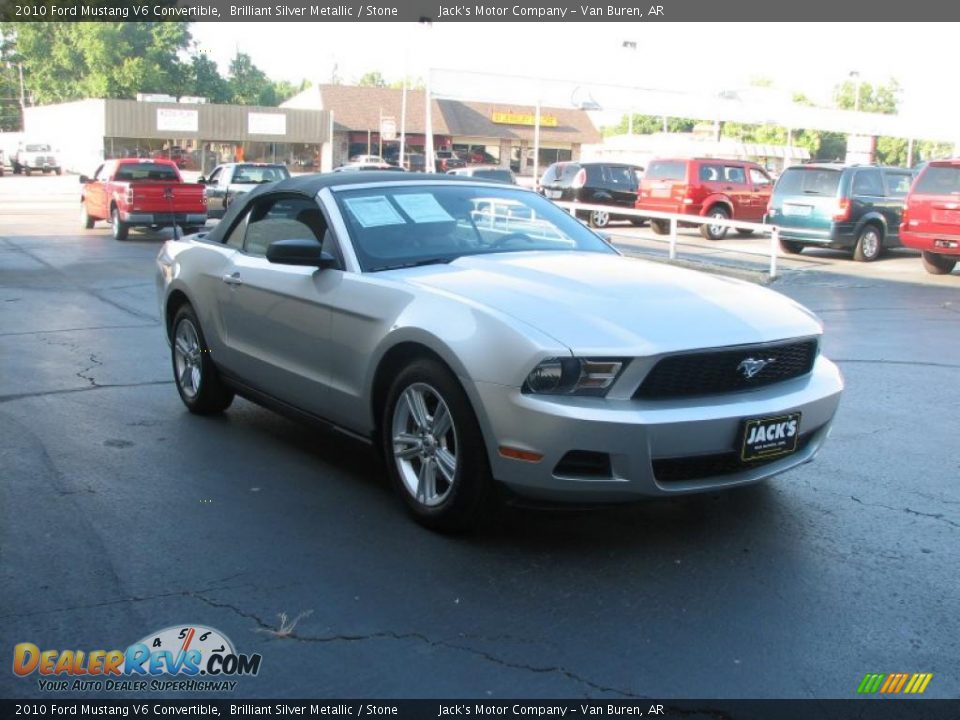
[132, 192]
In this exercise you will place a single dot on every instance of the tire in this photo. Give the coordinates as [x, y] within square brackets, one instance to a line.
[454, 500]
[638, 222]
[26, 171]
[85, 220]
[869, 244]
[58, 171]
[16, 169]
[196, 377]
[599, 218]
[120, 229]
[744, 232]
[937, 264]
[716, 232]
[660, 227]
[791, 247]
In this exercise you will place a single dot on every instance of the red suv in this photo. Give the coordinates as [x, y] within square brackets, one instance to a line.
[931, 216]
[708, 187]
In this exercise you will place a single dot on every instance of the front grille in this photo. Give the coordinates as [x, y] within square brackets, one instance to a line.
[720, 371]
[699, 467]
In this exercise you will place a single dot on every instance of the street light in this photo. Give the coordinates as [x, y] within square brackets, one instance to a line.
[429, 164]
[632, 45]
[856, 82]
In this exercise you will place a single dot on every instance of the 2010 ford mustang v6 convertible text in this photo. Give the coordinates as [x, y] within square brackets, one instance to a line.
[476, 333]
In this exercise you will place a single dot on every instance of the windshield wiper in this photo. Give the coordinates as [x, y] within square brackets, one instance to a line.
[415, 263]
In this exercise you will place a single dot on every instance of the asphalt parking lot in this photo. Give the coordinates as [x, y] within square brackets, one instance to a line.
[123, 514]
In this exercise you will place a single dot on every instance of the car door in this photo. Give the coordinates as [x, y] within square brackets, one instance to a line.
[897, 184]
[215, 190]
[622, 184]
[277, 317]
[735, 187]
[868, 196]
[761, 187]
[95, 192]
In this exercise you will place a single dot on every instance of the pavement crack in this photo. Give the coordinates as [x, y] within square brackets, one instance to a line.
[418, 637]
[79, 329]
[87, 388]
[909, 511]
[84, 374]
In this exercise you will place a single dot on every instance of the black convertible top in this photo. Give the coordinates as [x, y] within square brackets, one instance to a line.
[313, 183]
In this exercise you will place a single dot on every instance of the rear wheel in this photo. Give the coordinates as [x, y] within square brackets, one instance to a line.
[715, 232]
[791, 247]
[85, 220]
[744, 231]
[937, 264]
[638, 222]
[599, 218]
[194, 373]
[869, 244]
[433, 448]
[119, 228]
[660, 227]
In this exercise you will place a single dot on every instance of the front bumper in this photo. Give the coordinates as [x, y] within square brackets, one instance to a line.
[141, 218]
[640, 436]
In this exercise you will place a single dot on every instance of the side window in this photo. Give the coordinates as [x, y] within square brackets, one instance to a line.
[758, 177]
[621, 176]
[282, 218]
[868, 182]
[595, 175]
[734, 174]
[235, 238]
[710, 173]
[215, 176]
[898, 184]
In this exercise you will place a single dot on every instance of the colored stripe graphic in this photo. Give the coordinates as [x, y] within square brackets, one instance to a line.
[894, 683]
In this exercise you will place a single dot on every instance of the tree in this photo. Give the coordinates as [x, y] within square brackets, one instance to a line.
[206, 81]
[68, 61]
[647, 124]
[883, 99]
[372, 79]
[249, 85]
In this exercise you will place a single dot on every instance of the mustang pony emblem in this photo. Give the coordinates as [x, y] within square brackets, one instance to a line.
[750, 367]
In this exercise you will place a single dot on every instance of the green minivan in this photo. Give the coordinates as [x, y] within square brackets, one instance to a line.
[849, 207]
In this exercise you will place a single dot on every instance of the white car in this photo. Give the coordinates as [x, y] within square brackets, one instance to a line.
[474, 333]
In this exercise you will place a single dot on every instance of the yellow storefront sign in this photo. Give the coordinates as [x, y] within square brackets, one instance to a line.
[507, 118]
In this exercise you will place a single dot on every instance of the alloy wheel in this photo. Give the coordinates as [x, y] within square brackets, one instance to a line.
[425, 445]
[188, 359]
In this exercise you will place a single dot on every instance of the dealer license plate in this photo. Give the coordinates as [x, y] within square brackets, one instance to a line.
[769, 437]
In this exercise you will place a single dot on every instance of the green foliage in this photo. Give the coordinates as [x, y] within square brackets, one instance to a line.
[646, 124]
[372, 79]
[883, 99]
[249, 85]
[205, 80]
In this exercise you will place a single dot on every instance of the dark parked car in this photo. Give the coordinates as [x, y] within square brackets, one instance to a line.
[849, 207]
[708, 187]
[599, 183]
[504, 175]
[447, 160]
[931, 218]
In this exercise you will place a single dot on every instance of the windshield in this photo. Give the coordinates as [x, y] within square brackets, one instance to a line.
[808, 181]
[415, 224]
[560, 173]
[255, 174]
[939, 180]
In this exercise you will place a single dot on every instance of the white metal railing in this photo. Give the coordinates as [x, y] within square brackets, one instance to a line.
[676, 219]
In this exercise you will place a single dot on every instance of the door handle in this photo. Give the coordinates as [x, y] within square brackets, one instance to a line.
[232, 279]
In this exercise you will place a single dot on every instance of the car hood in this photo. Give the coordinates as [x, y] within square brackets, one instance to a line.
[607, 304]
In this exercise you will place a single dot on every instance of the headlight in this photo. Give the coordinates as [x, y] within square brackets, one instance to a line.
[573, 376]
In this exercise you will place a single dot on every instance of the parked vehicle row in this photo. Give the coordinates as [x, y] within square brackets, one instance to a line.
[598, 183]
[229, 180]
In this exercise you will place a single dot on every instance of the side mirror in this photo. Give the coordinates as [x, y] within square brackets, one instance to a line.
[84, 179]
[300, 252]
[201, 180]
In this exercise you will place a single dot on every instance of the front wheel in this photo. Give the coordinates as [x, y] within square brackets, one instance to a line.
[119, 228]
[715, 232]
[869, 244]
[937, 264]
[433, 448]
[599, 218]
[85, 220]
[660, 227]
[194, 373]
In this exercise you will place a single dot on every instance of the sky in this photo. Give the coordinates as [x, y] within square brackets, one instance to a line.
[701, 57]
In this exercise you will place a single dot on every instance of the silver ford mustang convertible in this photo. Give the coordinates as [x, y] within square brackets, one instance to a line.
[476, 334]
